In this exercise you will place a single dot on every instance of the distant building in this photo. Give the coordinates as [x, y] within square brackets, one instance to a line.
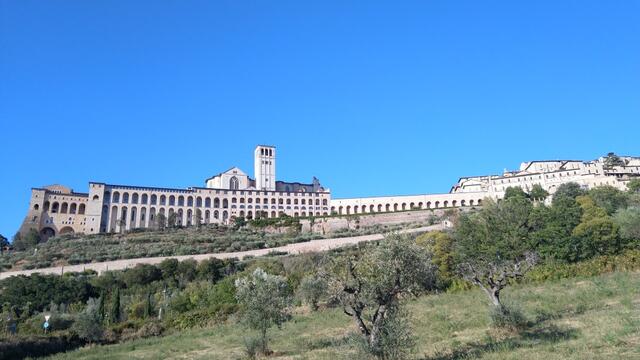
[56, 209]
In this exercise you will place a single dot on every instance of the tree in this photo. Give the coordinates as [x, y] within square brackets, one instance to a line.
[612, 160]
[597, 233]
[515, 191]
[88, 325]
[114, 312]
[492, 246]
[148, 307]
[100, 311]
[198, 218]
[634, 186]
[567, 191]
[161, 221]
[369, 287]
[441, 245]
[239, 222]
[609, 198]
[172, 220]
[628, 221]
[4, 242]
[538, 193]
[311, 289]
[264, 300]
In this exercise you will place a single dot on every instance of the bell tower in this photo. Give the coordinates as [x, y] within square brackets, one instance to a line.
[264, 158]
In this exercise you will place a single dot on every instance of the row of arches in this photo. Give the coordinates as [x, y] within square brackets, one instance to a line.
[62, 208]
[361, 209]
[207, 202]
[142, 217]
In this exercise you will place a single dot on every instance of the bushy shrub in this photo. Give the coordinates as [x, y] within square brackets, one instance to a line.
[509, 318]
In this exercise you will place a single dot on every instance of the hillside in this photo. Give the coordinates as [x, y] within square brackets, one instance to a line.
[580, 318]
[207, 239]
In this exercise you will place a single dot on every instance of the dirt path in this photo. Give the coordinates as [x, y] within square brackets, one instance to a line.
[297, 248]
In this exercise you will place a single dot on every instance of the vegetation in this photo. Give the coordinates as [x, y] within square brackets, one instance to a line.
[540, 264]
[164, 241]
[581, 318]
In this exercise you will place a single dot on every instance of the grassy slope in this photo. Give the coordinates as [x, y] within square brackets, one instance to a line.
[591, 318]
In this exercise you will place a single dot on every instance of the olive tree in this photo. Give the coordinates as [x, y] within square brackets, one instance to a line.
[311, 289]
[492, 246]
[264, 301]
[369, 288]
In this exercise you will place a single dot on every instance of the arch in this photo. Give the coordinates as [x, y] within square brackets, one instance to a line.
[304, 214]
[479, 201]
[207, 216]
[55, 207]
[73, 208]
[134, 198]
[180, 200]
[66, 230]
[36, 207]
[387, 207]
[96, 197]
[154, 199]
[428, 204]
[47, 233]
[340, 210]
[242, 213]
[395, 207]
[420, 204]
[453, 203]
[225, 203]
[225, 215]
[355, 209]
[113, 219]
[445, 203]
[462, 203]
[144, 199]
[143, 217]
[189, 217]
[190, 201]
[404, 206]
[371, 208]
[437, 204]
[152, 215]
[379, 207]
[163, 200]
[412, 206]
[348, 210]
[207, 202]
[471, 202]
[216, 203]
[324, 202]
[241, 200]
[233, 183]
[180, 219]
[172, 200]
[125, 198]
[198, 201]
[273, 214]
[64, 208]
[81, 209]
[115, 198]
[234, 200]
[133, 221]
[216, 214]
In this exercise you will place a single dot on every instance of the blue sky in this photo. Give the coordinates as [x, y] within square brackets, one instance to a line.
[373, 98]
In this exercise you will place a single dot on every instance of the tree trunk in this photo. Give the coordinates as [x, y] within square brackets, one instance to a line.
[494, 296]
[376, 330]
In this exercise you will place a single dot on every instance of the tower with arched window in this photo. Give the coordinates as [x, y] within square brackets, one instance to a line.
[265, 167]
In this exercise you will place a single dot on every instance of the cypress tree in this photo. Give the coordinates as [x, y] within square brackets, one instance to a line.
[101, 306]
[114, 316]
[147, 307]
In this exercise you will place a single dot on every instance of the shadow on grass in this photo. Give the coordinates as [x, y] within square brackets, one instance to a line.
[549, 334]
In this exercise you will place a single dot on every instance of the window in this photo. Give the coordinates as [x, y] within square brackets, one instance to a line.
[233, 183]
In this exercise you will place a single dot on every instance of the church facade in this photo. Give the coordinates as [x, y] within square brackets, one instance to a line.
[56, 209]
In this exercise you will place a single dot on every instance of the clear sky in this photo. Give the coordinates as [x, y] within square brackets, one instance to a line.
[372, 97]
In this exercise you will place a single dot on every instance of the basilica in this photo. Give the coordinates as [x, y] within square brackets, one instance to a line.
[105, 208]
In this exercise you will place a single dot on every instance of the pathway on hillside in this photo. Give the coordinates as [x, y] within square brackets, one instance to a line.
[297, 248]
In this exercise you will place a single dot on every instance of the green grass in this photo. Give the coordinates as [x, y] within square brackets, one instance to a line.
[583, 318]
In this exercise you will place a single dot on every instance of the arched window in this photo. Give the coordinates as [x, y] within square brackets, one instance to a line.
[199, 201]
[81, 209]
[154, 199]
[163, 200]
[207, 202]
[144, 199]
[172, 200]
[225, 203]
[125, 198]
[134, 198]
[116, 197]
[233, 183]
[64, 208]
[96, 197]
[190, 201]
[73, 208]
[180, 200]
[36, 207]
[216, 203]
